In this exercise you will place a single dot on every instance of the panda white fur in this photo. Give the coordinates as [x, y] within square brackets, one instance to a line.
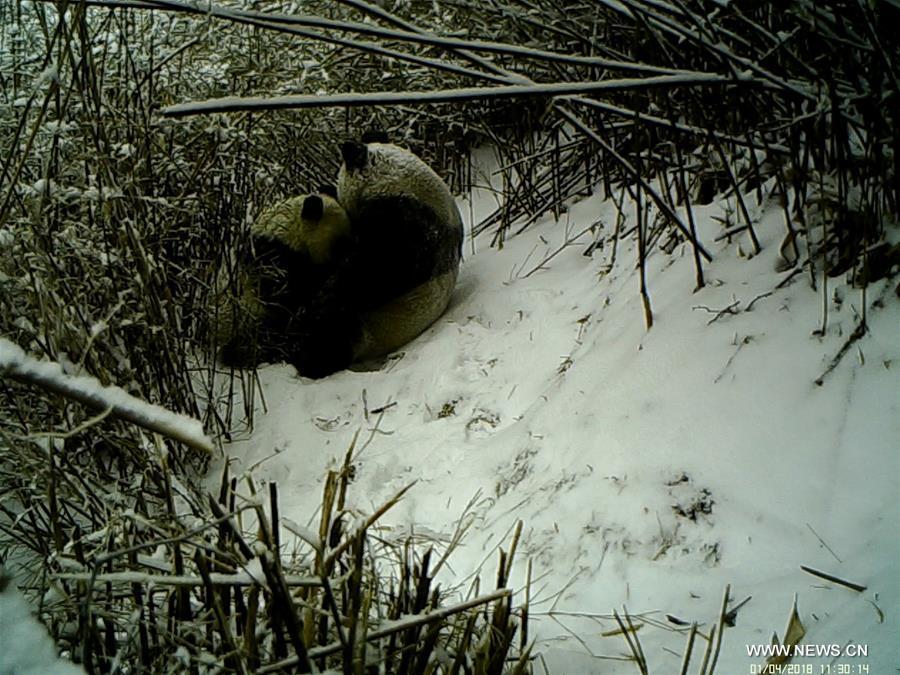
[408, 237]
[265, 311]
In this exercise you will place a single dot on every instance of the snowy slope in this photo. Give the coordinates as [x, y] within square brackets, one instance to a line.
[649, 468]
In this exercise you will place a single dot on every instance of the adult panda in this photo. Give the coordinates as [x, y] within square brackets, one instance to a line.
[407, 233]
[282, 303]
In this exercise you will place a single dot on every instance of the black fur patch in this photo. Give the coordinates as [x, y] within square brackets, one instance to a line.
[374, 136]
[313, 208]
[322, 335]
[355, 155]
[328, 189]
[399, 243]
[310, 317]
[290, 278]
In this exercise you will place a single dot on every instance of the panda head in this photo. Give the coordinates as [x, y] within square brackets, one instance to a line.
[375, 170]
[308, 224]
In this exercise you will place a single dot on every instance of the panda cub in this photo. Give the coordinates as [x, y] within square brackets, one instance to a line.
[407, 233]
[302, 241]
[267, 312]
[311, 224]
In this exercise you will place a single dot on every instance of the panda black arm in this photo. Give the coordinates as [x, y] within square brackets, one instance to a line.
[293, 278]
[322, 331]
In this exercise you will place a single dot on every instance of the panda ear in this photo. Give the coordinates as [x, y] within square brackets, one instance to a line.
[356, 155]
[313, 208]
[375, 135]
[327, 189]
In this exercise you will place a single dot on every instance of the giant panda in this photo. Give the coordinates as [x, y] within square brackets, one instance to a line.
[282, 302]
[407, 233]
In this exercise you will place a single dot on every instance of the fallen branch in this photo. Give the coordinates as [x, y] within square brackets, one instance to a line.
[837, 580]
[857, 333]
[719, 313]
[761, 296]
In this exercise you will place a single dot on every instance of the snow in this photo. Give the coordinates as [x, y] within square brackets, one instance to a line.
[650, 469]
[25, 648]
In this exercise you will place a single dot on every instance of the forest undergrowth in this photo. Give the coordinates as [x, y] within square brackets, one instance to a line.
[139, 138]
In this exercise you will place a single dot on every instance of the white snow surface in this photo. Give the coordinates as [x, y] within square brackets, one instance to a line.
[650, 469]
[25, 646]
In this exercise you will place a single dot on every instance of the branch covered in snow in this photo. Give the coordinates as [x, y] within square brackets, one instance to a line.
[238, 103]
[15, 363]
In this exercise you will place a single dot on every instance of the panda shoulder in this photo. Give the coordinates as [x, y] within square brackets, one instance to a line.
[394, 163]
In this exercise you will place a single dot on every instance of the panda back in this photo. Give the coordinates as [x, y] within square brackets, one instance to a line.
[392, 171]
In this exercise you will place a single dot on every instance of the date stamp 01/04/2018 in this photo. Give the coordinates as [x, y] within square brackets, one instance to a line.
[849, 659]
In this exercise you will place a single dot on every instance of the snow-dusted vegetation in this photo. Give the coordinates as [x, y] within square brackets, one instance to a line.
[658, 423]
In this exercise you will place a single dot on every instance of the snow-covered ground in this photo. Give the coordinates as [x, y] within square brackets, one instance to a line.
[650, 469]
[25, 646]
